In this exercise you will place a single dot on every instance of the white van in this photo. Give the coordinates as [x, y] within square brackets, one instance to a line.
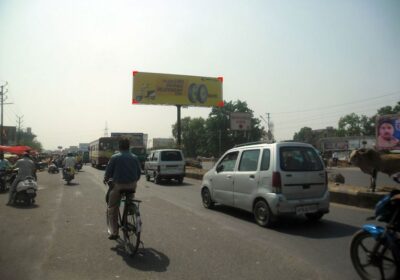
[165, 164]
[269, 180]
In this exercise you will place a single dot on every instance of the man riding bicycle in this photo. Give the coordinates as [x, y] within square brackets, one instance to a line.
[124, 170]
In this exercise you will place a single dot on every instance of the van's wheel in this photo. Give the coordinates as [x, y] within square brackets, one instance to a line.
[262, 214]
[206, 198]
[180, 180]
[314, 217]
[157, 178]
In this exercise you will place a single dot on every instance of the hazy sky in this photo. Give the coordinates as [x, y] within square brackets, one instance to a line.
[69, 63]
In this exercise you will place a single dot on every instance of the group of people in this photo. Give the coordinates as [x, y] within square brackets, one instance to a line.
[123, 169]
[25, 166]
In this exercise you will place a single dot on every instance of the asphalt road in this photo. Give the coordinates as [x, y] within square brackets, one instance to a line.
[354, 177]
[64, 237]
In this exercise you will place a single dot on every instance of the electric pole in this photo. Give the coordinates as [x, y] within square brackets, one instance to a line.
[3, 98]
[19, 122]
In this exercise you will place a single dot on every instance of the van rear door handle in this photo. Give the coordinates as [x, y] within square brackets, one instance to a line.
[228, 176]
[252, 176]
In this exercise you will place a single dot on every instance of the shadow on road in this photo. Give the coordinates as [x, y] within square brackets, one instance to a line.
[71, 184]
[146, 259]
[23, 207]
[322, 229]
[173, 183]
[296, 225]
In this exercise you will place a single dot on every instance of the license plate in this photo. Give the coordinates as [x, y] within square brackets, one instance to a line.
[30, 191]
[306, 209]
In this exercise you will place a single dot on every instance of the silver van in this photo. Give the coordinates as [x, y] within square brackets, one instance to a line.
[165, 164]
[269, 180]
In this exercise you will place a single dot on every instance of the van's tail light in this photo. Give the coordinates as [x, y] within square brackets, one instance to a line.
[276, 182]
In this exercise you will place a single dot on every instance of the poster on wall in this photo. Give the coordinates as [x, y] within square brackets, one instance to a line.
[388, 132]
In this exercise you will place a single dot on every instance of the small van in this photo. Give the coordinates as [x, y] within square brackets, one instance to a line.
[269, 180]
[165, 164]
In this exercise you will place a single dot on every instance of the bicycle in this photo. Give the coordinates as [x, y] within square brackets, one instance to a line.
[381, 246]
[129, 220]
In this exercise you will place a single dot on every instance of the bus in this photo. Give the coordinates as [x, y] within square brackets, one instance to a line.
[101, 150]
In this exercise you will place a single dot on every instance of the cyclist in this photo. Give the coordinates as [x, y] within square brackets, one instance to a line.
[124, 170]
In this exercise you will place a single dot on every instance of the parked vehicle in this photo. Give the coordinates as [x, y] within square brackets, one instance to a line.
[165, 164]
[68, 174]
[269, 180]
[375, 250]
[26, 191]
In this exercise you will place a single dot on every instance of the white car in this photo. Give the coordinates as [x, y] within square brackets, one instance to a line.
[269, 180]
[165, 164]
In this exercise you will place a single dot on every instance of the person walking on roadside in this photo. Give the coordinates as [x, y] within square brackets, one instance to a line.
[124, 170]
[26, 167]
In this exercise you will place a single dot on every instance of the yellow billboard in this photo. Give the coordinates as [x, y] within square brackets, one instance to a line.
[168, 89]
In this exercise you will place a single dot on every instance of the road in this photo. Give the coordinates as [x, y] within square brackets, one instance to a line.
[354, 177]
[64, 237]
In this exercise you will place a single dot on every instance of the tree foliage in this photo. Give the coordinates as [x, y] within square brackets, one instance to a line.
[28, 139]
[213, 136]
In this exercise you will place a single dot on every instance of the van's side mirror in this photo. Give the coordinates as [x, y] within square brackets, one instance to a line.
[220, 168]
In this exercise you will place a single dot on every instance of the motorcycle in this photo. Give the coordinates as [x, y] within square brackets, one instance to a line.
[375, 250]
[26, 191]
[78, 166]
[52, 169]
[68, 174]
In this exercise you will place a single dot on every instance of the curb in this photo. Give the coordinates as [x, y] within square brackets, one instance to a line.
[353, 198]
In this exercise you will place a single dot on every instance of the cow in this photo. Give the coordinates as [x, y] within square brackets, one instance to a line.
[371, 162]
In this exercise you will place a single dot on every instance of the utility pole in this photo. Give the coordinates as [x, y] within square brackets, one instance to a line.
[19, 122]
[3, 98]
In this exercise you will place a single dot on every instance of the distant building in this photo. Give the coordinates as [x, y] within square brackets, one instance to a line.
[9, 135]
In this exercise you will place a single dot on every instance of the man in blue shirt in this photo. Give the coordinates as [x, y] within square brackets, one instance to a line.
[124, 170]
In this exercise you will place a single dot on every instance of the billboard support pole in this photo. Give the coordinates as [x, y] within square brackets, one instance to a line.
[178, 107]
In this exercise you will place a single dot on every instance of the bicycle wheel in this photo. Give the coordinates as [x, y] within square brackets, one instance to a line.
[131, 229]
[381, 265]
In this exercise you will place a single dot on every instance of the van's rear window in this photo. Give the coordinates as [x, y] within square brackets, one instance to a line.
[300, 159]
[171, 156]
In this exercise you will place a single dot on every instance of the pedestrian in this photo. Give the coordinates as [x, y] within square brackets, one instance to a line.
[124, 170]
[335, 158]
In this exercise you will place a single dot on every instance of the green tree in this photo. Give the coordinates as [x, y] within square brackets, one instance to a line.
[351, 125]
[193, 136]
[213, 136]
[29, 139]
[306, 134]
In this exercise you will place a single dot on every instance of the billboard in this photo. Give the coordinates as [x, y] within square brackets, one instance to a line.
[388, 132]
[240, 121]
[160, 143]
[168, 89]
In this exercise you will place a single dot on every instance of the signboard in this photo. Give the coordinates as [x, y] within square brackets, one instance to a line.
[163, 143]
[167, 89]
[388, 132]
[240, 121]
[335, 145]
[136, 139]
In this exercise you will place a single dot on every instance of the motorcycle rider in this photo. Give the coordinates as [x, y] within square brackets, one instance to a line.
[4, 167]
[26, 167]
[69, 162]
[124, 169]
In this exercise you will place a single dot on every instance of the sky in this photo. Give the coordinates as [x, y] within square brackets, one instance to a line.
[69, 64]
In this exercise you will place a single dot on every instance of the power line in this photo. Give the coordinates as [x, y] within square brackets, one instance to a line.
[338, 105]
